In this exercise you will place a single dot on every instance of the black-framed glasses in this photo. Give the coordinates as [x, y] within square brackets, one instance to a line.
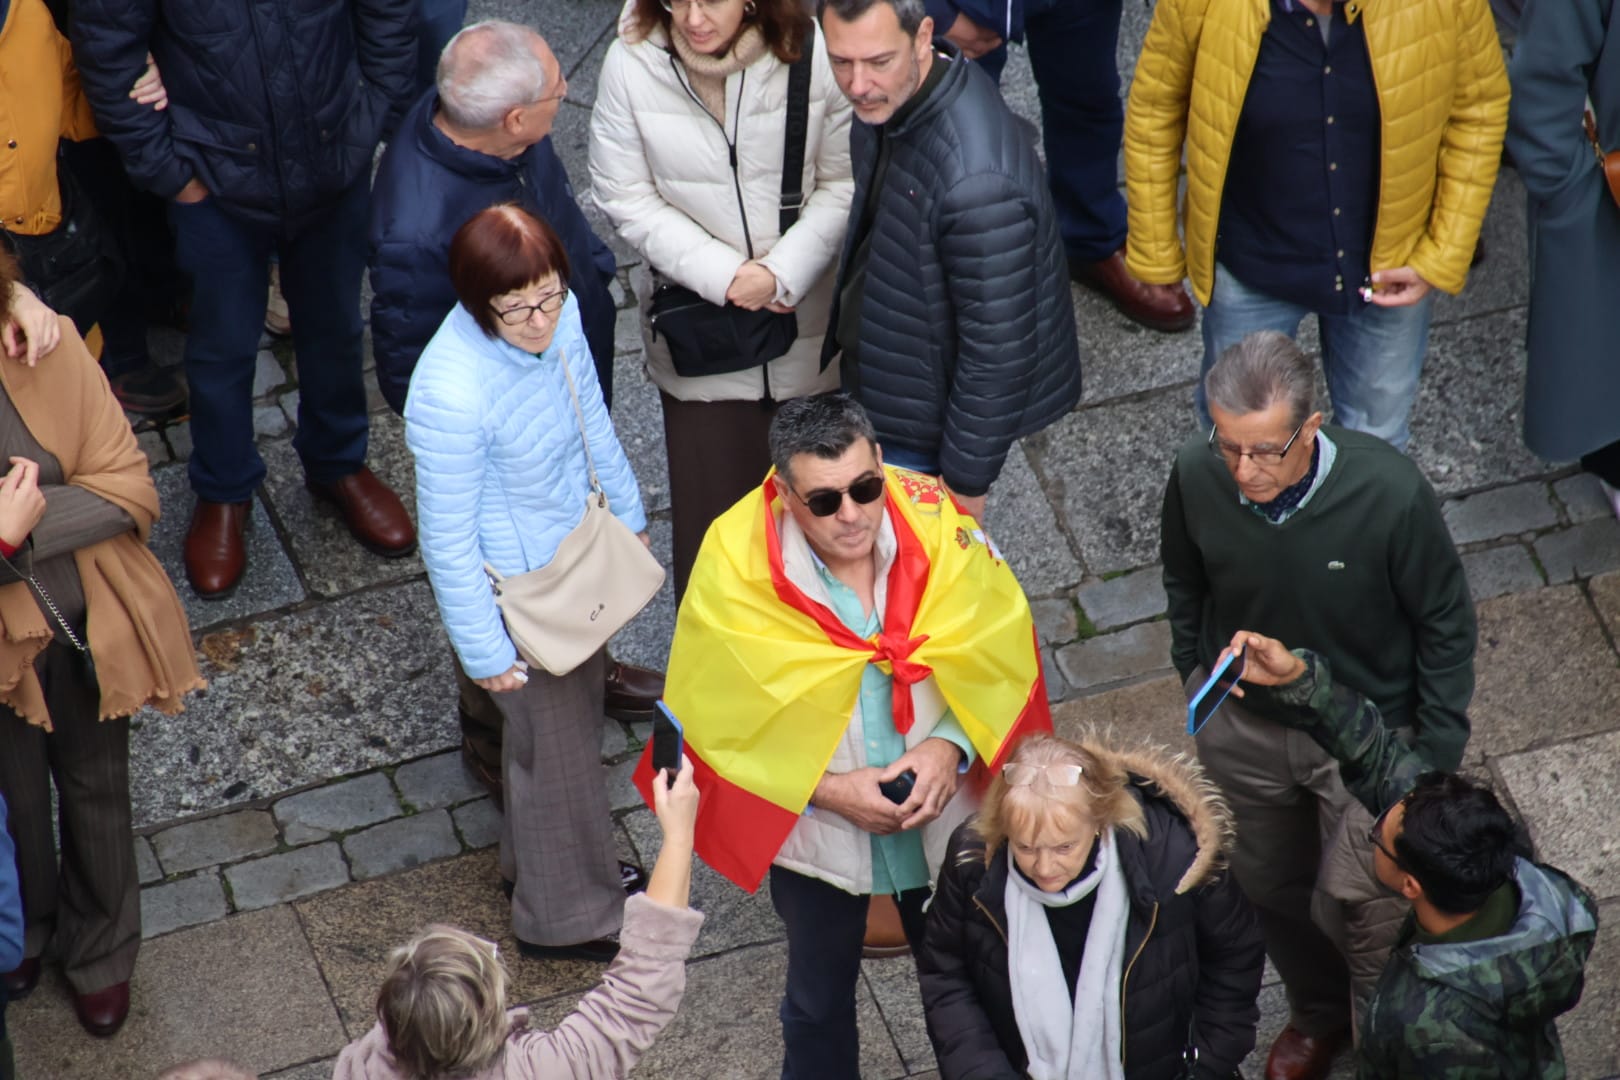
[1375, 835]
[825, 503]
[549, 304]
[1233, 454]
[703, 6]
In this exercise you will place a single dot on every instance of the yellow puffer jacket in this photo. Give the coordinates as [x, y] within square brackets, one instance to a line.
[1442, 96]
[40, 103]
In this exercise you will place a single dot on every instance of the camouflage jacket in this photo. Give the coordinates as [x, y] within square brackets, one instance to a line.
[1479, 1010]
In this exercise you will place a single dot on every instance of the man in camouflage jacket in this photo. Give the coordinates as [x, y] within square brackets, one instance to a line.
[1447, 1009]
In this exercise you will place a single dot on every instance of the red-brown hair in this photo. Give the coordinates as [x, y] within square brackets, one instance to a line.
[784, 24]
[501, 250]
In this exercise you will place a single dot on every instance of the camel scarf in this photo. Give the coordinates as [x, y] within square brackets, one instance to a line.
[137, 629]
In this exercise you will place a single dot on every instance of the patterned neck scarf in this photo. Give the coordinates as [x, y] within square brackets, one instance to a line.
[1290, 496]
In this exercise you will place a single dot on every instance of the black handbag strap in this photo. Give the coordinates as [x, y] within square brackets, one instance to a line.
[797, 131]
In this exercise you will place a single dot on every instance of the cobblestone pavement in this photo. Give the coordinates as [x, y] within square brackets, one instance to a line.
[306, 814]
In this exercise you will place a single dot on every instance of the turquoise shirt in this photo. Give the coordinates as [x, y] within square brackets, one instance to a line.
[898, 862]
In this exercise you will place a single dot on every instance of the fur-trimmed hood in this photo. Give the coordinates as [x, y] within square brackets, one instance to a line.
[1178, 778]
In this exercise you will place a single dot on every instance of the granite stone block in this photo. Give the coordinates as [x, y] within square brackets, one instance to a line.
[340, 807]
[1580, 551]
[187, 902]
[268, 374]
[1021, 521]
[332, 561]
[1056, 688]
[622, 793]
[401, 844]
[733, 917]
[1126, 599]
[479, 823]
[153, 446]
[1153, 713]
[1055, 620]
[615, 740]
[1587, 1031]
[178, 436]
[147, 869]
[1505, 511]
[276, 879]
[1567, 793]
[269, 421]
[215, 840]
[1605, 590]
[893, 984]
[1143, 649]
[269, 583]
[1583, 498]
[441, 780]
[638, 419]
[1500, 570]
[1122, 358]
[1544, 672]
[645, 639]
[298, 699]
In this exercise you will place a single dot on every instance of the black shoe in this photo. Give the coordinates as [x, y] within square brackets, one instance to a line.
[600, 951]
[149, 393]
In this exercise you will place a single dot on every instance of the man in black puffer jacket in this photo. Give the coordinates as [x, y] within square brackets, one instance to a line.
[953, 307]
[275, 110]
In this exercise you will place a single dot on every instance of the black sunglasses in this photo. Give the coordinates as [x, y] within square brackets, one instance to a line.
[824, 503]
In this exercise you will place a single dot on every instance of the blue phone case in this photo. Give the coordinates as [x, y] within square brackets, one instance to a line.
[1193, 726]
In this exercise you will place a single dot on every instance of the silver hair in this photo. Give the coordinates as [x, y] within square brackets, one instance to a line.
[486, 71]
[909, 12]
[825, 425]
[1264, 368]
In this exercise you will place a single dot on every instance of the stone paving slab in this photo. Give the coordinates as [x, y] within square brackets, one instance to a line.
[1126, 599]
[1588, 1031]
[1605, 590]
[1592, 547]
[638, 419]
[1151, 712]
[341, 807]
[1056, 621]
[1544, 672]
[441, 780]
[1143, 649]
[1021, 522]
[276, 879]
[479, 823]
[1504, 511]
[645, 639]
[893, 984]
[147, 869]
[299, 699]
[1583, 498]
[571, 135]
[1119, 358]
[401, 844]
[265, 1008]
[226, 838]
[190, 901]
[1500, 570]
[1568, 794]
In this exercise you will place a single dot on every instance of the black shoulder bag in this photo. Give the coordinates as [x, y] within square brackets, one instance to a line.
[711, 339]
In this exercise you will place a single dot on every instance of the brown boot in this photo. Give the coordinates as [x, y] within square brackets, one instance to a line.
[215, 553]
[1157, 309]
[373, 513]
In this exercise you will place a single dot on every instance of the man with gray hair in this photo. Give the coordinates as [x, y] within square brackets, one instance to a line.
[1332, 540]
[481, 137]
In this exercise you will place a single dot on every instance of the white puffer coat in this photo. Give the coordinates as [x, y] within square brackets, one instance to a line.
[661, 171]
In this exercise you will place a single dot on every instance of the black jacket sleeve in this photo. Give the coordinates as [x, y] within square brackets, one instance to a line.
[110, 42]
[1231, 959]
[964, 1041]
[385, 48]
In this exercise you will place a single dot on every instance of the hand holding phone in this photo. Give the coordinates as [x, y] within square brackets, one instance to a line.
[668, 740]
[1214, 691]
[898, 790]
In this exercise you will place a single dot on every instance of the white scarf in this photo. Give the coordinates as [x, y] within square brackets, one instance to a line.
[1082, 1043]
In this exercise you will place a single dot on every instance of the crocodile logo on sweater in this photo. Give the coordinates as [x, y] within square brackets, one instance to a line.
[1335, 564]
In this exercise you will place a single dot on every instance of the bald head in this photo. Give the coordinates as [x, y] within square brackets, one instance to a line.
[491, 68]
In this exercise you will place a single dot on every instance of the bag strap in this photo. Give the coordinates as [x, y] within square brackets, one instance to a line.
[796, 133]
[579, 418]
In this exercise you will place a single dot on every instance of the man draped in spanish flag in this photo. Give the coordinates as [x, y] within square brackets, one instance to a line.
[844, 626]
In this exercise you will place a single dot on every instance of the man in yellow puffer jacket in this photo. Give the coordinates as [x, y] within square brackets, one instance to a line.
[1340, 156]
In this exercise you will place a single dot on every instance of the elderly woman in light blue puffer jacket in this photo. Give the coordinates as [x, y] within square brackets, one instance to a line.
[501, 477]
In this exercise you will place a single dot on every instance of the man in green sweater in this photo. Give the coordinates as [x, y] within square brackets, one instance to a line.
[1333, 540]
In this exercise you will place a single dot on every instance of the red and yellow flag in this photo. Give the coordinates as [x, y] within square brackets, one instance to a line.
[764, 679]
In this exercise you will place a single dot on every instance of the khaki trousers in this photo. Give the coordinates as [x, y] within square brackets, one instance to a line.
[1303, 860]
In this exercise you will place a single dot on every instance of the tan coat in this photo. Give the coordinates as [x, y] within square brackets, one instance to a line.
[138, 634]
[1443, 102]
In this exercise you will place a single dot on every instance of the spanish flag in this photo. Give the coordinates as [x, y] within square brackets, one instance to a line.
[764, 679]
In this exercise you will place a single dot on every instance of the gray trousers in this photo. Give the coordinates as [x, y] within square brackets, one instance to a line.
[1302, 858]
[90, 901]
[557, 832]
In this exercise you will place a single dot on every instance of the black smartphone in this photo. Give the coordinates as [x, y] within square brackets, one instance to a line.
[898, 790]
[668, 740]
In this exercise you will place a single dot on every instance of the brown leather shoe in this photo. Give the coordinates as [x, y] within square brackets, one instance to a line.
[20, 981]
[215, 554]
[1298, 1056]
[103, 1012]
[374, 514]
[629, 691]
[1154, 309]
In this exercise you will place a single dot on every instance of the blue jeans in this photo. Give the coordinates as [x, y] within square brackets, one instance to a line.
[229, 260]
[441, 20]
[1071, 52]
[1372, 357]
[825, 929]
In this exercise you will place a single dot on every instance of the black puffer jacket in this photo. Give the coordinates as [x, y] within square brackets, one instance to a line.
[967, 338]
[275, 105]
[1193, 957]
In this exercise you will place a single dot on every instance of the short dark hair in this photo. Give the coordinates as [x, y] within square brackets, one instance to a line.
[782, 23]
[910, 12]
[1457, 840]
[500, 250]
[825, 425]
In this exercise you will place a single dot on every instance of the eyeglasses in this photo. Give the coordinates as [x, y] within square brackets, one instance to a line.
[1233, 454]
[704, 7]
[1019, 775]
[826, 503]
[549, 304]
[1375, 836]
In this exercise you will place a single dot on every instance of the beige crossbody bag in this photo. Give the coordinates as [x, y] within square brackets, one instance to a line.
[559, 615]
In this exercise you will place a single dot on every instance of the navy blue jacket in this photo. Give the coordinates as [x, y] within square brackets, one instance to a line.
[275, 105]
[425, 189]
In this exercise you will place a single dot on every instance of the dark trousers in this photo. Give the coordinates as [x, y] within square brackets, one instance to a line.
[718, 451]
[90, 901]
[1071, 52]
[825, 930]
[321, 265]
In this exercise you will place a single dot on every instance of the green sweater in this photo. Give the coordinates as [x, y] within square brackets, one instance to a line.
[1365, 573]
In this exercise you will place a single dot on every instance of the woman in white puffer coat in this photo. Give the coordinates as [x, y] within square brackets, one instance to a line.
[686, 159]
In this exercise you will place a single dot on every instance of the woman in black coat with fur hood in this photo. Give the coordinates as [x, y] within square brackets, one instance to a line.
[1095, 874]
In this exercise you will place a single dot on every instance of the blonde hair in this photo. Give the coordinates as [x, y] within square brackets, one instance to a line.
[1102, 797]
[443, 1004]
[206, 1069]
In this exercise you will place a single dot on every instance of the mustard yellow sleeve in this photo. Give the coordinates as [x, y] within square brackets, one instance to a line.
[1155, 129]
[78, 122]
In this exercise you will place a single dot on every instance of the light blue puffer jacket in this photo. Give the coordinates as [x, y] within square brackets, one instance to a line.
[500, 469]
